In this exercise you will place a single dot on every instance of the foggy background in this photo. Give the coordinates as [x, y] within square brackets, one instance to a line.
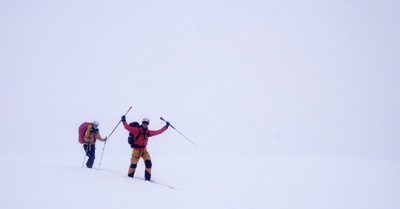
[287, 77]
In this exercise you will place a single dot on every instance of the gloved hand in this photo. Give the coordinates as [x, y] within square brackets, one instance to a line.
[105, 139]
[123, 118]
[168, 124]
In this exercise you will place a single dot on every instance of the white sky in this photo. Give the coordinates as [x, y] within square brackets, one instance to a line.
[318, 77]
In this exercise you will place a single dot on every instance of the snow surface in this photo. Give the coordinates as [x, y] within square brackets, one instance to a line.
[200, 181]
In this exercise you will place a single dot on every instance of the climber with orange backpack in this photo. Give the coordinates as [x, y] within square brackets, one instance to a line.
[140, 138]
[88, 133]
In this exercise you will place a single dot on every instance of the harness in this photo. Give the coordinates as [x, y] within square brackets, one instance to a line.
[143, 138]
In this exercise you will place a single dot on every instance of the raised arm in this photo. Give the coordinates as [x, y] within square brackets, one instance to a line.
[155, 133]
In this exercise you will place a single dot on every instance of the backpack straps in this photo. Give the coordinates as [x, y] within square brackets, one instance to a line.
[137, 137]
[140, 133]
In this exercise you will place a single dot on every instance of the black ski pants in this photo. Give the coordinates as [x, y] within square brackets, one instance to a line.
[90, 152]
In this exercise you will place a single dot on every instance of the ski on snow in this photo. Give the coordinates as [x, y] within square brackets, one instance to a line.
[157, 183]
[161, 184]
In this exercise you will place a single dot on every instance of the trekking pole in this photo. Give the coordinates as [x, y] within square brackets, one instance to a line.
[180, 133]
[110, 136]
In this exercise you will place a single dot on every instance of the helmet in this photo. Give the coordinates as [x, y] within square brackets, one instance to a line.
[146, 120]
[96, 123]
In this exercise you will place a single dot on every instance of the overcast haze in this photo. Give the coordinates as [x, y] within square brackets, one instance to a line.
[287, 77]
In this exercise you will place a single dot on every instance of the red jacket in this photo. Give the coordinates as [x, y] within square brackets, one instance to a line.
[144, 135]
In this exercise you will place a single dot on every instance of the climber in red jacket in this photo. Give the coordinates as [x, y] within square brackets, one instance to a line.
[141, 136]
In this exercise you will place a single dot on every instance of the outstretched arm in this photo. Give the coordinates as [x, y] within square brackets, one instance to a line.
[155, 133]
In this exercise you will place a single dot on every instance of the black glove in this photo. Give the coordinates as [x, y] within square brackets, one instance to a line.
[123, 118]
[105, 139]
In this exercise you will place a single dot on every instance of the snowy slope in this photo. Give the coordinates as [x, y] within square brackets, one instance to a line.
[201, 181]
[294, 104]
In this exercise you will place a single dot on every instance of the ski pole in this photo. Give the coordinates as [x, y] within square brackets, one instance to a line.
[180, 133]
[119, 122]
[110, 136]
